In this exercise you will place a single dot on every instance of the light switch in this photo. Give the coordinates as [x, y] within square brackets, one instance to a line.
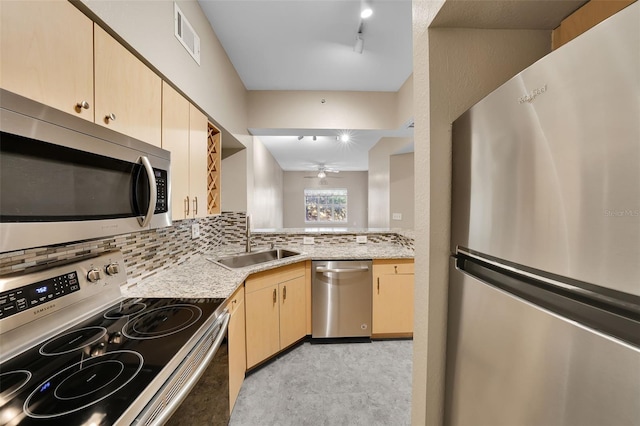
[308, 240]
[397, 216]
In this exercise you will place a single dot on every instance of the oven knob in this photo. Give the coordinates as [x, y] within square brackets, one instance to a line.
[94, 275]
[112, 269]
[98, 349]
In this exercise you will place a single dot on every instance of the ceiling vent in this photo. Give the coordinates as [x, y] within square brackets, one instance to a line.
[185, 33]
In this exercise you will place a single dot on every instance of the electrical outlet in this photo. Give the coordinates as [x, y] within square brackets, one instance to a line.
[361, 239]
[195, 231]
[397, 216]
[308, 240]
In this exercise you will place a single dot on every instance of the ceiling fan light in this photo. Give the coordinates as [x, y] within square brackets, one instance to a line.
[322, 174]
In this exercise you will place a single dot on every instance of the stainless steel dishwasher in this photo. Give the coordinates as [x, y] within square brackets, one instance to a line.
[341, 293]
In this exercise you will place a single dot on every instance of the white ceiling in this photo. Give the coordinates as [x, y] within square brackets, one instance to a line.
[309, 45]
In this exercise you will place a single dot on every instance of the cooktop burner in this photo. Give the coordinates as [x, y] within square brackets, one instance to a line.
[92, 372]
[161, 322]
[73, 341]
[11, 382]
[83, 384]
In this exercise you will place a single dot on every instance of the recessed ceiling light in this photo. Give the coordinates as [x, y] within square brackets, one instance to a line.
[344, 137]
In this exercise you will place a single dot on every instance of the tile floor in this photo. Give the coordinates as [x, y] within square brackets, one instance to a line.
[330, 384]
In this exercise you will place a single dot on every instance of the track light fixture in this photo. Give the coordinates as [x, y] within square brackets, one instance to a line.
[359, 46]
[300, 138]
[365, 9]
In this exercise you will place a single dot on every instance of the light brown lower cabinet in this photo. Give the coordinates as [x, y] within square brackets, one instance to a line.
[393, 282]
[237, 345]
[276, 311]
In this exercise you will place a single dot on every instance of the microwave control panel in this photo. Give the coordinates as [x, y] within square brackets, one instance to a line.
[162, 203]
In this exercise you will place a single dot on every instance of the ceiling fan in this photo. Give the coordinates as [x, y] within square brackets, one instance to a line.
[322, 173]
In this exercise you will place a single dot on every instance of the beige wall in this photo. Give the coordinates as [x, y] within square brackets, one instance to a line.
[401, 190]
[233, 182]
[379, 179]
[405, 102]
[304, 110]
[295, 184]
[453, 69]
[267, 195]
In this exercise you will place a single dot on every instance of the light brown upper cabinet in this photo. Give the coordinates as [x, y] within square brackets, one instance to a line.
[393, 297]
[587, 16]
[184, 134]
[46, 54]
[128, 95]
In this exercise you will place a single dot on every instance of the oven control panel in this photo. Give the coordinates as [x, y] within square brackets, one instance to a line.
[29, 296]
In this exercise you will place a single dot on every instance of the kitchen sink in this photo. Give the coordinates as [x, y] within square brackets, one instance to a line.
[241, 260]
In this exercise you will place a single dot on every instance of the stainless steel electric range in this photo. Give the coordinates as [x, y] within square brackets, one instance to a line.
[73, 351]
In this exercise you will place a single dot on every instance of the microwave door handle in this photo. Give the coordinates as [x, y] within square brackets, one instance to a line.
[153, 192]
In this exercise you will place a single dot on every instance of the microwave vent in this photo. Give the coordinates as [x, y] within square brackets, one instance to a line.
[186, 34]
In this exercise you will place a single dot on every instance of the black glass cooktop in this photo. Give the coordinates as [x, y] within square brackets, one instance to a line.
[92, 372]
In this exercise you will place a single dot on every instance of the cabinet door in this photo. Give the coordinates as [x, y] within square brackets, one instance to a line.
[198, 123]
[126, 88]
[237, 351]
[262, 323]
[293, 311]
[175, 138]
[393, 304]
[46, 54]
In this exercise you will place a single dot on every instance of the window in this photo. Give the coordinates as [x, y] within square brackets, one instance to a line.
[325, 205]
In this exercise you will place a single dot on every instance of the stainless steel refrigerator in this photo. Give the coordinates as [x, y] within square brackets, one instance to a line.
[544, 292]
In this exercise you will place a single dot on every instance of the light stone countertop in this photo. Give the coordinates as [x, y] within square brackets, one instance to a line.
[201, 278]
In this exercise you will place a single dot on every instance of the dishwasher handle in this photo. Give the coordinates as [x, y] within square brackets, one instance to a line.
[342, 270]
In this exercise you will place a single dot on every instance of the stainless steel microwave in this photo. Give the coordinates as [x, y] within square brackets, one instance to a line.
[63, 178]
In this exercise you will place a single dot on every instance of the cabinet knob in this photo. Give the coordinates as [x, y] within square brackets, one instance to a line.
[110, 117]
[396, 268]
[82, 105]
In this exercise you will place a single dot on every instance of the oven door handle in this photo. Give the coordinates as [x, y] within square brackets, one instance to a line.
[191, 382]
[153, 192]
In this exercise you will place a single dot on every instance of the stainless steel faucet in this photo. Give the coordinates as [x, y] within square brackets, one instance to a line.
[248, 235]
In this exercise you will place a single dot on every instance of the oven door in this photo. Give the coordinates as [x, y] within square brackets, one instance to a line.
[61, 181]
[198, 391]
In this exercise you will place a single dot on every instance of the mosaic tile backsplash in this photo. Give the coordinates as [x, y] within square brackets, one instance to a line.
[148, 252]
